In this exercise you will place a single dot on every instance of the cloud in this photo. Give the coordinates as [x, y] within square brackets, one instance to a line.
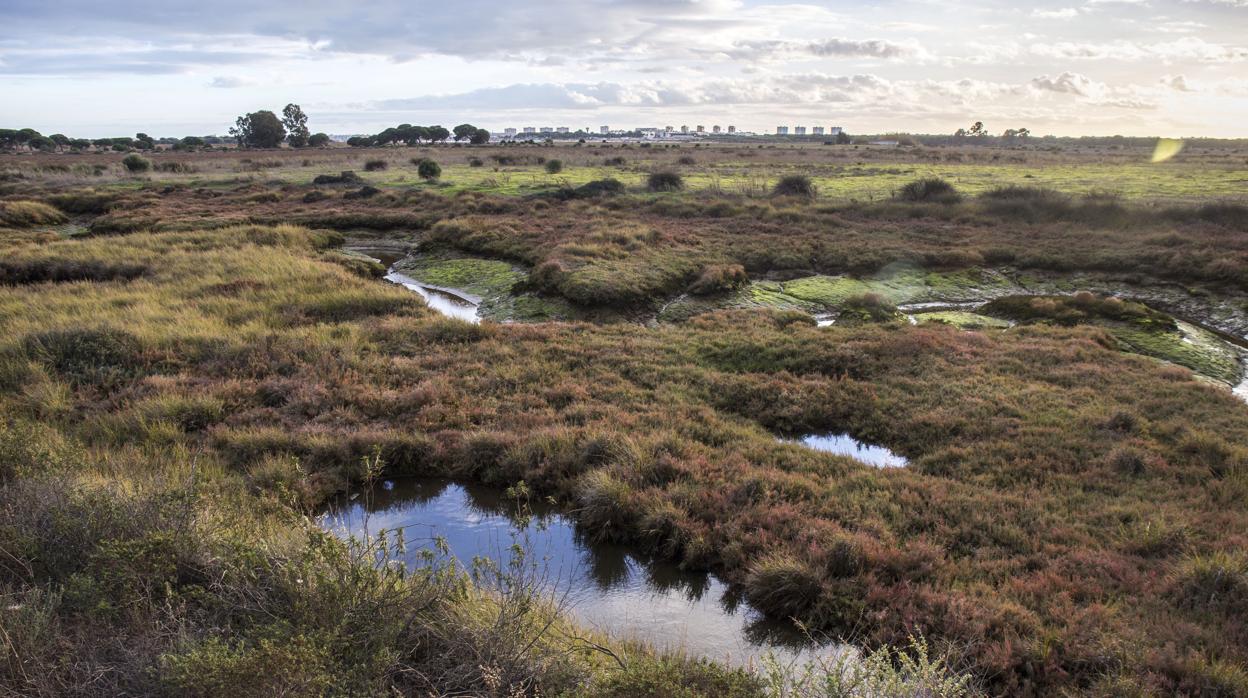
[1066, 83]
[771, 50]
[1064, 13]
[227, 82]
[1188, 48]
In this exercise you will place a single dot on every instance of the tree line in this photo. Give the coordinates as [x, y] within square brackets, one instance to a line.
[408, 134]
[12, 139]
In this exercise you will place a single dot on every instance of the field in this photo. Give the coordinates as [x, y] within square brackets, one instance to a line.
[197, 357]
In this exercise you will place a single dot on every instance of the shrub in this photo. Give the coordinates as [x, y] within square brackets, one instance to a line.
[687, 160]
[365, 192]
[614, 162]
[375, 165]
[345, 177]
[795, 185]
[475, 162]
[176, 167]
[135, 163]
[719, 278]
[930, 189]
[314, 196]
[428, 170]
[665, 181]
[554, 166]
[21, 214]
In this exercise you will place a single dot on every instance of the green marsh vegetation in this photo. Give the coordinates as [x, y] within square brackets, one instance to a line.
[181, 386]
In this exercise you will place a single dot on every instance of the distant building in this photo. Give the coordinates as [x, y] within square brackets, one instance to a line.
[715, 128]
[799, 131]
[782, 130]
[835, 131]
[562, 129]
[732, 129]
[701, 128]
[684, 129]
[818, 130]
[530, 129]
[547, 129]
[604, 130]
[668, 129]
[509, 132]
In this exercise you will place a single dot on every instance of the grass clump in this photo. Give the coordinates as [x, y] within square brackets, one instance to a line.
[376, 165]
[102, 357]
[24, 214]
[929, 190]
[1077, 309]
[795, 185]
[783, 586]
[665, 181]
[719, 278]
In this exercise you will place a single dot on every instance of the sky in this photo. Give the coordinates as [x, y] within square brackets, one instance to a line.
[1071, 67]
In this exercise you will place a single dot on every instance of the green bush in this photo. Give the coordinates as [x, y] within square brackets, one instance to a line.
[665, 181]
[553, 166]
[428, 170]
[135, 163]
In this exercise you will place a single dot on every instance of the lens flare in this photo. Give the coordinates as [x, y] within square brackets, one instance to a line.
[1166, 149]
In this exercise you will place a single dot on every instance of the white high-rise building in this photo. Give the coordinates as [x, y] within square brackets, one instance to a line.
[604, 130]
[818, 130]
[732, 129]
[782, 130]
[562, 129]
[799, 131]
[530, 129]
[509, 132]
[715, 128]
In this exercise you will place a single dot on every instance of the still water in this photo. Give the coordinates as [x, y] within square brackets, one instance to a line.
[606, 587]
[846, 445]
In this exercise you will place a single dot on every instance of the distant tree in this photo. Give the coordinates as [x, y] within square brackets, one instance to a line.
[318, 140]
[144, 141]
[190, 143]
[1024, 132]
[360, 141]
[464, 131]
[843, 138]
[41, 142]
[438, 134]
[260, 129]
[79, 144]
[60, 139]
[296, 124]
[977, 130]
[428, 170]
[479, 137]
